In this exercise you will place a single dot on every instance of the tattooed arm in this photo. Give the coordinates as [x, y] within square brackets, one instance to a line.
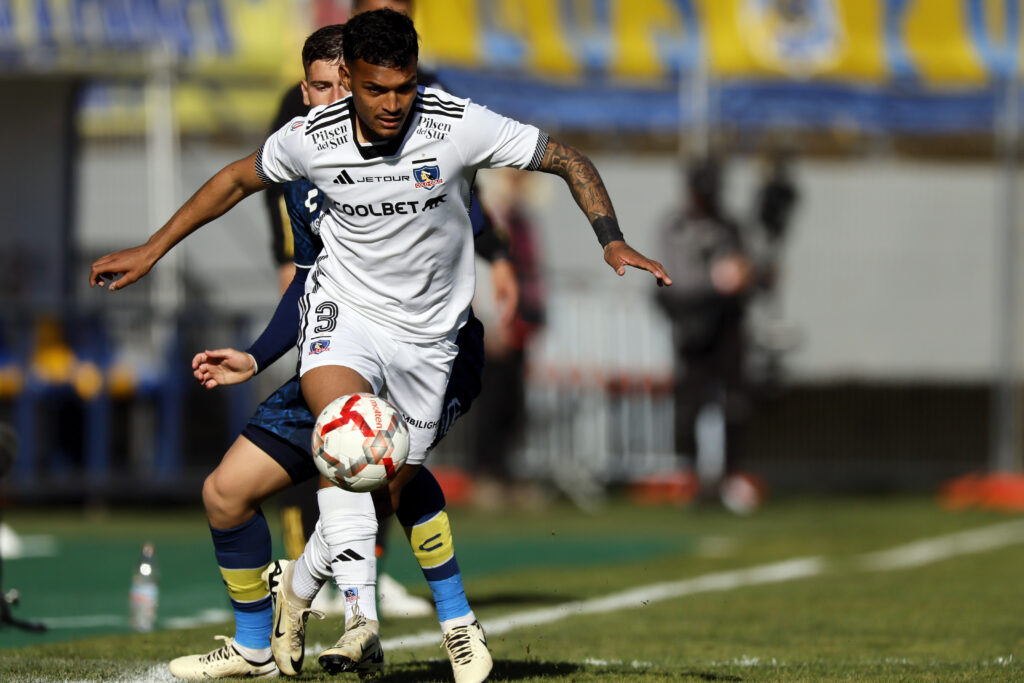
[590, 194]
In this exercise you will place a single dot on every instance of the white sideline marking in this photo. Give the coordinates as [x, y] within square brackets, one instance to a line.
[84, 621]
[14, 546]
[153, 674]
[939, 548]
[635, 597]
[915, 554]
[636, 664]
[207, 616]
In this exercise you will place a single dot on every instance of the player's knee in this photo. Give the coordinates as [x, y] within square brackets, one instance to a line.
[422, 497]
[398, 484]
[383, 503]
[346, 523]
[226, 506]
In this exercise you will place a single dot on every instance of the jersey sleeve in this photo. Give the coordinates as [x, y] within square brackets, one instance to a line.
[280, 225]
[282, 331]
[489, 140]
[304, 202]
[281, 157]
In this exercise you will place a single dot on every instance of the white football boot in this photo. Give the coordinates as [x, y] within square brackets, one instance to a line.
[224, 662]
[288, 639]
[467, 649]
[358, 650]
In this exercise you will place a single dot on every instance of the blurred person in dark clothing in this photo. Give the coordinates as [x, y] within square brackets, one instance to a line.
[501, 407]
[773, 337]
[707, 307]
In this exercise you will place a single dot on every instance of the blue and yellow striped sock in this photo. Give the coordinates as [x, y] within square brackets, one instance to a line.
[422, 515]
[243, 552]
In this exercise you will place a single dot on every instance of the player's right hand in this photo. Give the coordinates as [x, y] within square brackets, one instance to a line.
[618, 255]
[222, 367]
[123, 267]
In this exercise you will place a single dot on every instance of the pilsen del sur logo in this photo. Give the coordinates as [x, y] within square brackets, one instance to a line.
[427, 175]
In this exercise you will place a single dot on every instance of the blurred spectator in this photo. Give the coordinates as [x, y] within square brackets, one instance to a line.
[499, 414]
[713, 279]
[772, 336]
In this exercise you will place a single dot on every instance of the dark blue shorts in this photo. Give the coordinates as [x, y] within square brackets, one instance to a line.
[282, 426]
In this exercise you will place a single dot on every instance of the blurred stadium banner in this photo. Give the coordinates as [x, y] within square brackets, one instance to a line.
[896, 65]
[228, 55]
[938, 42]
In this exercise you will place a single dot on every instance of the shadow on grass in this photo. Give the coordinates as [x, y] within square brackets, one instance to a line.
[514, 670]
[504, 670]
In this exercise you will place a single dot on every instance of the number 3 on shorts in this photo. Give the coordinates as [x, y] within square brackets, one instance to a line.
[326, 317]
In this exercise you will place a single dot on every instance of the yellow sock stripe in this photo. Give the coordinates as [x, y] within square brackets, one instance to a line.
[244, 585]
[431, 541]
[291, 530]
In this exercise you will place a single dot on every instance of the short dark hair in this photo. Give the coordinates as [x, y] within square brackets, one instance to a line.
[383, 37]
[324, 43]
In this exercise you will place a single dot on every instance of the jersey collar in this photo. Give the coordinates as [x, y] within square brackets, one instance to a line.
[386, 149]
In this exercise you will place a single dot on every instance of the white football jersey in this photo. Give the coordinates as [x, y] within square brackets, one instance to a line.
[395, 226]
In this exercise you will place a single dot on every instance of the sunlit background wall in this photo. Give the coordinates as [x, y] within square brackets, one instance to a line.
[886, 358]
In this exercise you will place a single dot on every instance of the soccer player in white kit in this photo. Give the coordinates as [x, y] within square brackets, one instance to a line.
[394, 283]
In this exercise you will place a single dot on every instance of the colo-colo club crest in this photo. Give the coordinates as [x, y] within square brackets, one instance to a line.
[427, 176]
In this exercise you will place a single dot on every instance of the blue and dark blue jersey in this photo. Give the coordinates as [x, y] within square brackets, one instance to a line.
[304, 207]
[304, 204]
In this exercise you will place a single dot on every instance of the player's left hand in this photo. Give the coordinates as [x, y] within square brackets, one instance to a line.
[506, 290]
[129, 264]
[618, 255]
[222, 367]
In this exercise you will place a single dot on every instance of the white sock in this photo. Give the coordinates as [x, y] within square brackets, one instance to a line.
[361, 599]
[305, 585]
[348, 525]
[464, 620]
[253, 655]
[313, 567]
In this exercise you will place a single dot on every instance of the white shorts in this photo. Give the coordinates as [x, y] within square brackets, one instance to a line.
[413, 376]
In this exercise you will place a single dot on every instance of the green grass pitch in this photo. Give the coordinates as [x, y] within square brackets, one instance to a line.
[796, 592]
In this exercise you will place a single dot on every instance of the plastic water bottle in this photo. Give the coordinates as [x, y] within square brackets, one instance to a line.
[145, 592]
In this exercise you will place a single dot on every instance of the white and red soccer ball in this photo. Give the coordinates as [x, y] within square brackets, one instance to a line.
[360, 441]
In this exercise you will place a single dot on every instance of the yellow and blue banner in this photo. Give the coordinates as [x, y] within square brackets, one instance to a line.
[908, 65]
[938, 42]
[231, 59]
[928, 65]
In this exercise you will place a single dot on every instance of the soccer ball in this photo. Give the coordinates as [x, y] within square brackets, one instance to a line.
[360, 441]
